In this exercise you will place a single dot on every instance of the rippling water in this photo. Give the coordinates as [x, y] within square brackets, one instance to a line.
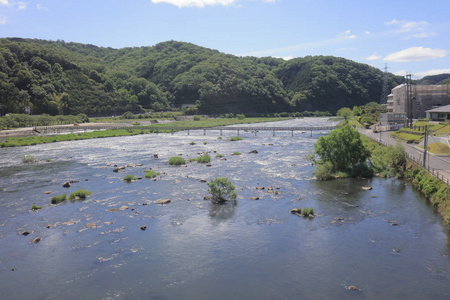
[192, 249]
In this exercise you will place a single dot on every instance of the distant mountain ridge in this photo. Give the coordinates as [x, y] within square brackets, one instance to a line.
[435, 79]
[69, 78]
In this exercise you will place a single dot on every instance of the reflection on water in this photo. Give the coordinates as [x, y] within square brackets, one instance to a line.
[388, 242]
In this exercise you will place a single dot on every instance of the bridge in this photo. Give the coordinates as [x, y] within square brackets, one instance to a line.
[238, 129]
[256, 129]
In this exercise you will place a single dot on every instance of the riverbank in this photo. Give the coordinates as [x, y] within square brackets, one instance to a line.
[435, 189]
[125, 129]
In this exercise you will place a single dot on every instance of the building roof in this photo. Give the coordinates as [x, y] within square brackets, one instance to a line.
[442, 109]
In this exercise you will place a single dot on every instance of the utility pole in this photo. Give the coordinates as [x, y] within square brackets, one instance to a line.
[425, 147]
[385, 91]
[409, 99]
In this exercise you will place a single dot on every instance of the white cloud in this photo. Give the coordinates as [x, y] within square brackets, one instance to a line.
[412, 28]
[367, 32]
[21, 5]
[288, 50]
[374, 56]
[421, 35]
[41, 7]
[17, 5]
[416, 54]
[432, 72]
[196, 3]
[200, 3]
[3, 20]
[346, 35]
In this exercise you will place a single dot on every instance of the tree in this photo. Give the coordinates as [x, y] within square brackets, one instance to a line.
[344, 149]
[344, 112]
[222, 190]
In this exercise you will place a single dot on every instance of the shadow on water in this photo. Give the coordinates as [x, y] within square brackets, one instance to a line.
[222, 212]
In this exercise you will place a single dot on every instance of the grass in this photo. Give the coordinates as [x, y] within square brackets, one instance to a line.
[80, 194]
[177, 161]
[59, 199]
[439, 148]
[219, 156]
[204, 159]
[35, 207]
[409, 138]
[129, 178]
[236, 153]
[151, 174]
[235, 138]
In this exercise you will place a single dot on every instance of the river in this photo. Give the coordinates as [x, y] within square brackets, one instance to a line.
[387, 242]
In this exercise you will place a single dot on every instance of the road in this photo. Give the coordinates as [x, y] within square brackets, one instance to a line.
[439, 166]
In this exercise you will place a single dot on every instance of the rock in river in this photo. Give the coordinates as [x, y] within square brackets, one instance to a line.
[165, 201]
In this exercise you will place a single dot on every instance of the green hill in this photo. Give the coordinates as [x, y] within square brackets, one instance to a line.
[69, 78]
[435, 79]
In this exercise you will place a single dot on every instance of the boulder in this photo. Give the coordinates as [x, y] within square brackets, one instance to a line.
[124, 207]
[353, 288]
[47, 192]
[254, 198]
[202, 180]
[260, 188]
[36, 240]
[143, 228]
[207, 198]
[25, 233]
[270, 188]
[253, 151]
[66, 184]
[367, 188]
[91, 225]
[155, 155]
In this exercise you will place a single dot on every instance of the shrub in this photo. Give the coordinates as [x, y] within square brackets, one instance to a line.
[204, 159]
[151, 174]
[197, 118]
[236, 153]
[48, 160]
[176, 161]
[205, 143]
[235, 138]
[219, 138]
[192, 143]
[219, 156]
[128, 115]
[81, 194]
[324, 171]
[59, 199]
[28, 159]
[240, 116]
[35, 207]
[222, 190]
[129, 178]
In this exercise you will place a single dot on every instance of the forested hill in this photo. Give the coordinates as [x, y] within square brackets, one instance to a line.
[435, 79]
[71, 78]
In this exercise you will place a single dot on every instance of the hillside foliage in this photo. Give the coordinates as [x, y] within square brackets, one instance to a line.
[56, 77]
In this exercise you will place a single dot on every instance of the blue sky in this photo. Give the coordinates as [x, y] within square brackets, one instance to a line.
[408, 36]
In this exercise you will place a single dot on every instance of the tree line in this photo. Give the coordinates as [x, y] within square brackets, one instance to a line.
[56, 77]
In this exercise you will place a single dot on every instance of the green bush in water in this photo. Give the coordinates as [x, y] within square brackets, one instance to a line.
[176, 161]
[151, 174]
[81, 194]
[59, 199]
[129, 178]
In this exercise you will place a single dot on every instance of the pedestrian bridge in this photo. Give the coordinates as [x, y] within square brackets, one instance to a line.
[256, 129]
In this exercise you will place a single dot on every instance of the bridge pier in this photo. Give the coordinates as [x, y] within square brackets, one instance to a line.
[204, 132]
[220, 132]
[238, 132]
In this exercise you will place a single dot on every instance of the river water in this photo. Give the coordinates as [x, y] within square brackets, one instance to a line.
[388, 242]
